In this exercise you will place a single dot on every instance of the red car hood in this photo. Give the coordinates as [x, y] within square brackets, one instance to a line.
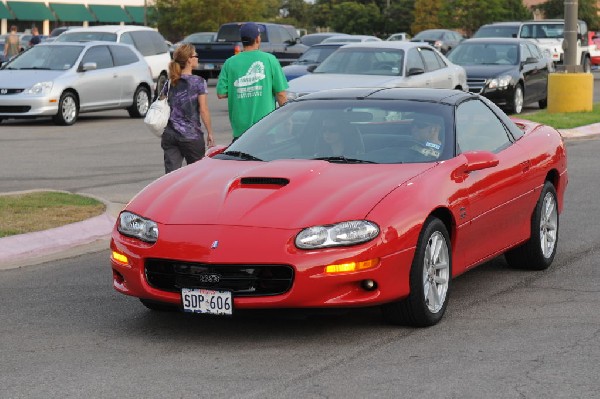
[278, 194]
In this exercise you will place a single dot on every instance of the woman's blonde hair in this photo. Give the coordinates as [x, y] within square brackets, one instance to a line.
[180, 57]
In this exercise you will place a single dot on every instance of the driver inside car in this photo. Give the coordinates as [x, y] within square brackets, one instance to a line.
[425, 130]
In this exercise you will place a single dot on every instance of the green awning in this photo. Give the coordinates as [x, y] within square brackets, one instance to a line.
[137, 13]
[72, 12]
[28, 11]
[109, 13]
[4, 13]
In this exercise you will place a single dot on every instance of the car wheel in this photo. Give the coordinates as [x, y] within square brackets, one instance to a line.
[539, 251]
[517, 102]
[160, 83]
[587, 65]
[68, 110]
[159, 306]
[543, 103]
[141, 103]
[430, 278]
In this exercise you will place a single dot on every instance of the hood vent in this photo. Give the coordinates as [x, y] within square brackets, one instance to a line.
[277, 181]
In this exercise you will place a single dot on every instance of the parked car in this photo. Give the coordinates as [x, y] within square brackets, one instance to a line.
[443, 40]
[65, 79]
[594, 46]
[402, 36]
[315, 38]
[510, 72]
[547, 34]
[54, 33]
[382, 64]
[351, 39]
[147, 41]
[310, 59]
[198, 37]
[388, 223]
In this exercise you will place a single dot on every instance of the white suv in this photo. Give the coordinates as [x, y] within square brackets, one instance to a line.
[146, 40]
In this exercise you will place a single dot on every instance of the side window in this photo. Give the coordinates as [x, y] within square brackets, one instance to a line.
[143, 42]
[414, 60]
[160, 46]
[127, 39]
[525, 53]
[123, 55]
[286, 37]
[100, 55]
[479, 129]
[535, 52]
[275, 35]
[432, 61]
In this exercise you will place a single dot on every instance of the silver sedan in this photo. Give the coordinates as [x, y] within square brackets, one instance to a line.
[62, 80]
[382, 64]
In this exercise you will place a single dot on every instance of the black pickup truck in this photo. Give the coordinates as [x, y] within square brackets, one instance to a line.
[280, 40]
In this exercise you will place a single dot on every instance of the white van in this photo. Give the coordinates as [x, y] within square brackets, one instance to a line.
[147, 41]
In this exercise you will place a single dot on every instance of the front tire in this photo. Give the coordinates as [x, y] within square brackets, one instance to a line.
[430, 278]
[160, 83]
[141, 103]
[587, 65]
[539, 251]
[68, 110]
[543, 103]
[517, 101]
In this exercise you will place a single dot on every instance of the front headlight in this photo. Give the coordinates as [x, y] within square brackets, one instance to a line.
[501, 82]
[340, 234]
[132, 225]
[42, 88]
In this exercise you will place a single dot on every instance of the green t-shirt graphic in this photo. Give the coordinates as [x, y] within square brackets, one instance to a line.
[250, 79]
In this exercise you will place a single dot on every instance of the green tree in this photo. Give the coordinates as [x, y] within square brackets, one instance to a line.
[587, 10]
[178, 18]
[398, 17]
[427, 15]
[356, 18]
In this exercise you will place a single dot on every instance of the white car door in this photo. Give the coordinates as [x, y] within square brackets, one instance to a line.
[438, 72]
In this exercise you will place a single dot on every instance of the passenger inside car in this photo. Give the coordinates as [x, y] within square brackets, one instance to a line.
[338, 138]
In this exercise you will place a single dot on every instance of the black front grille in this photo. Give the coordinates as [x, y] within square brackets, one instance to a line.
[476, 85]
[14, 109]
[242, 280]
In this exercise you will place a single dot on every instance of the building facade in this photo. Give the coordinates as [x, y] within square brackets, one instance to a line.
[47, 15]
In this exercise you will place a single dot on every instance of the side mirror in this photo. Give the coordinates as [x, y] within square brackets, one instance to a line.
[478, 160]
[531, 60]
[88, 66]
[415, 71]
[215, 150]
[312, 68]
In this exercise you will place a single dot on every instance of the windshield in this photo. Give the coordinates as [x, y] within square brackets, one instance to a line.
[56, 58]
[497, 31]
[87, 37]
[349, 132]
[428, 35]
[543, 31]
[364, 61]
[315, 55]
[485, 54]
[199, 38]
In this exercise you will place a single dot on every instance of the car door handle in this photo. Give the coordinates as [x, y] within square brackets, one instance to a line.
[525, 165]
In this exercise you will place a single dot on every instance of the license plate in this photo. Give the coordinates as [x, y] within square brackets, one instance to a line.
[209, 66]
[198, 300]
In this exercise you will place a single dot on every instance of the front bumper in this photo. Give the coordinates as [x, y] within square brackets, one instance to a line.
[27, 106]
[310, 287]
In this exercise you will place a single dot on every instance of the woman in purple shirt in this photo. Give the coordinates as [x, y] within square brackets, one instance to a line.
[183, 137]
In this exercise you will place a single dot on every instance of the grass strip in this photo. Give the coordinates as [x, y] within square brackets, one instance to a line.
[26, 213]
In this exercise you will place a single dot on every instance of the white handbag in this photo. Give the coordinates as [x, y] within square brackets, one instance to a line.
[158, 114]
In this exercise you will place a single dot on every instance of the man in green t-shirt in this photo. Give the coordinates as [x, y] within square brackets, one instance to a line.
[251, 81]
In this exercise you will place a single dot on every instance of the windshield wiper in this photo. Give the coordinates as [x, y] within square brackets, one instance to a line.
[42, 68]
[342, 159]
[242, 155]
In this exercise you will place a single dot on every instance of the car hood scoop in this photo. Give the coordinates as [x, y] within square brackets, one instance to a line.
[278, 194]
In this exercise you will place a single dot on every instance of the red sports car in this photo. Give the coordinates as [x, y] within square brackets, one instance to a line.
[347, 198]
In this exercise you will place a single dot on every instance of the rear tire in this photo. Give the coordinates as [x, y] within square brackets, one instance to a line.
[430, 278]
[68, 110]
[141, 103]
[543, 103]
[160, 83]
[587, 65]
[159, 306]
[539, 251]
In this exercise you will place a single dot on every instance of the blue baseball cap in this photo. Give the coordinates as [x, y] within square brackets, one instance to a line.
[250, 31]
